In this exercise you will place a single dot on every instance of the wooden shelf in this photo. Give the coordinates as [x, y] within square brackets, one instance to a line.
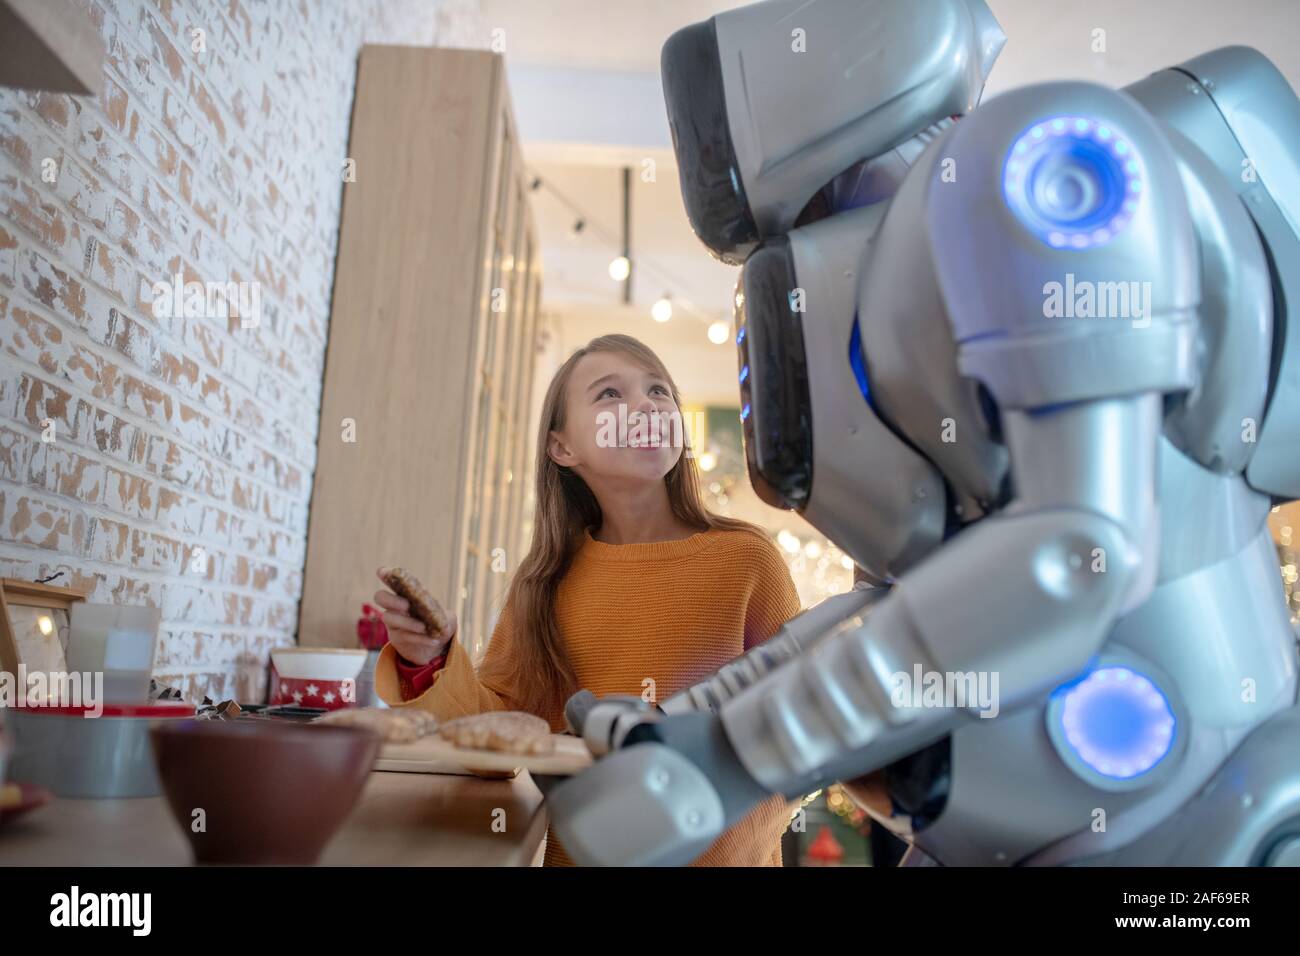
[49, 45]
[439, 222]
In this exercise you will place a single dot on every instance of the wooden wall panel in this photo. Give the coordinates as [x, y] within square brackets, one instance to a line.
[417, 359]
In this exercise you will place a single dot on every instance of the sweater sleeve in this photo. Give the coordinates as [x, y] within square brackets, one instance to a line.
[456, 690]
[773, 599]
[414, 679]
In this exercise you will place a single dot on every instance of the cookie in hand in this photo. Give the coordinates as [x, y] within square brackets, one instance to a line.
[423, 606]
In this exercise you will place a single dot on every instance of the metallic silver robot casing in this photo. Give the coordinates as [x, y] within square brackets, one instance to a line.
[1159, 441]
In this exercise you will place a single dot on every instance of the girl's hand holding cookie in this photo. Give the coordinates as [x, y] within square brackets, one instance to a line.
[418, 628]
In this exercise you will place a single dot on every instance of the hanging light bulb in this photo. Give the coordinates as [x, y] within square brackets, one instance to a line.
[662, 310]
[620, 267]
[708, 461]
[719, 332]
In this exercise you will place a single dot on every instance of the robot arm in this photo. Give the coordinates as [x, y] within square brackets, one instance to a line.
[604, 723]
[858, 703]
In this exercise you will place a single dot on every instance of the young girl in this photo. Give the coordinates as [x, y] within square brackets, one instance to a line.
[629, 580]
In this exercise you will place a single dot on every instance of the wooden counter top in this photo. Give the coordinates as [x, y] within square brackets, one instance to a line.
[402, 819]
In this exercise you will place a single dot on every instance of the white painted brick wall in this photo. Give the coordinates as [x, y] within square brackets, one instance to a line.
[180, 471]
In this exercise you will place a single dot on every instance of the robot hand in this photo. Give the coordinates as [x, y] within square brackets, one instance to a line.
[604, 723]
[672, 789]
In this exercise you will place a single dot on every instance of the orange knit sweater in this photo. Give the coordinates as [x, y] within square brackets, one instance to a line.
[668, 611]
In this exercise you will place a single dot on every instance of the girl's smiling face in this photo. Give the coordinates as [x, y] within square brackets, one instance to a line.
[620, 421]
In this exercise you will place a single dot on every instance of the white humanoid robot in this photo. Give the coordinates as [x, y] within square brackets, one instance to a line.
[1035, 365]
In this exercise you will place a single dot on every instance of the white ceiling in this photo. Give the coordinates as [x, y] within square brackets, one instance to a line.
[612, 46]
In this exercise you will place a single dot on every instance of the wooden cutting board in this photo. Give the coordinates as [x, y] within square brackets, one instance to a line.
[432, 754]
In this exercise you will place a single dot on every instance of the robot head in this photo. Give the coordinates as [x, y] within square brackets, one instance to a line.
[769, 102]
[813, 441]
[781, 115]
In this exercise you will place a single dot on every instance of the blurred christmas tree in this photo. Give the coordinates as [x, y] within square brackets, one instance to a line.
[1282, 520]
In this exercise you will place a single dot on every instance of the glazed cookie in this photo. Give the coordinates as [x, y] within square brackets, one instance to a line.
[402, 726]
[423, 606]
[510, 732]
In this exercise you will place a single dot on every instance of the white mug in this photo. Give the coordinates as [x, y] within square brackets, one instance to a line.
[121, 642]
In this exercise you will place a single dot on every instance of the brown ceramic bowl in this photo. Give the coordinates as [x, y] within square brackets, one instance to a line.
[270, 791]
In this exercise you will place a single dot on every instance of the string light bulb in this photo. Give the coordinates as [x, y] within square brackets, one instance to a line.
[662, 310]
[620, 267]
[719, 332]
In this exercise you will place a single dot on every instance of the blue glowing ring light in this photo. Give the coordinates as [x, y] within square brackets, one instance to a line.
[1114, 726]
[1074, 182]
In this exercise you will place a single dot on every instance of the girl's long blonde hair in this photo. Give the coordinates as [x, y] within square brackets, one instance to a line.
[565, 509]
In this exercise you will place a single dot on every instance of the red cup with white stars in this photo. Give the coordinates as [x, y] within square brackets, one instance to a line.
[315, 676]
